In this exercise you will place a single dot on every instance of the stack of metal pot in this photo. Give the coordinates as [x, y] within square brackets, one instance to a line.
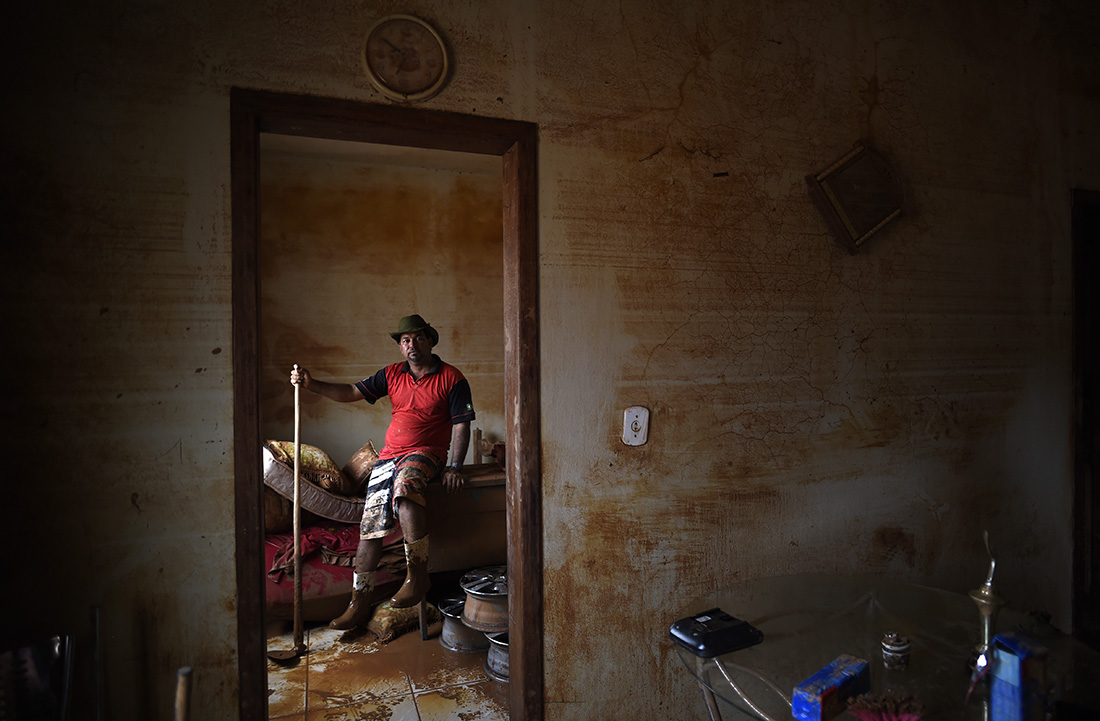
[479, 622]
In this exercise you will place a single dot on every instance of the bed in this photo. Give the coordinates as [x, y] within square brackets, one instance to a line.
[467, 527]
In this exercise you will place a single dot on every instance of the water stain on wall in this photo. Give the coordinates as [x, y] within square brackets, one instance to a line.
[348, 249]
[889, 542]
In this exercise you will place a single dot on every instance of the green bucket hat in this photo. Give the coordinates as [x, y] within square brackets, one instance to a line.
[412, 324]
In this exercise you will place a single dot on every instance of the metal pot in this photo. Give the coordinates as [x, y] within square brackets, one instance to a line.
[486, 607]
[496, 663]
[456, 635]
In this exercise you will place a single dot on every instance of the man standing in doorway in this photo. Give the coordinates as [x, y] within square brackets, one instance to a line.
[432, 410]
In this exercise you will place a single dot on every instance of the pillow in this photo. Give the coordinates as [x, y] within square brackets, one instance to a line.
[357, 469]
[316, 466]
[388, 622]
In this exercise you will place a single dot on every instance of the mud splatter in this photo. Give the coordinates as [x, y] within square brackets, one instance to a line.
[888, 542]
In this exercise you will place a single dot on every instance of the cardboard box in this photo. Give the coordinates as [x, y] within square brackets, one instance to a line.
[825, 694]
[1018, 689]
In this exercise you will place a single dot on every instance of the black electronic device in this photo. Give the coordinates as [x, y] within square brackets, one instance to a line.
[713, 633]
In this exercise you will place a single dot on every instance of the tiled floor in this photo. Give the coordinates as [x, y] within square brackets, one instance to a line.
[357, 678]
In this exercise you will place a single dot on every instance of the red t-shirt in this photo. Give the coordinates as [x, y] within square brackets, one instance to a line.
[424, 409]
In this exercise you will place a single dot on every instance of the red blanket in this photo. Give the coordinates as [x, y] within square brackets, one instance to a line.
[337, 545]
[328, 554]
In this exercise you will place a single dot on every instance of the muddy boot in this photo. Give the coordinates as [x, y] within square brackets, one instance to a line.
[416, 575]
[358, 612]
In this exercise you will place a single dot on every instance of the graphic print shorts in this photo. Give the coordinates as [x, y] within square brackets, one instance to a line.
[402, 477]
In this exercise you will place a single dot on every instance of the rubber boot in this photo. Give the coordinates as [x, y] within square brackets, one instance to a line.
[359, 610]
[416, 575]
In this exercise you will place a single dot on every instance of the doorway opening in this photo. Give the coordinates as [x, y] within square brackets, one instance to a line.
[254, 113]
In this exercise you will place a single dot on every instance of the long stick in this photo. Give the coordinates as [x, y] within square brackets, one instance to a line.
[97, 665]
[299, 645]
[183, 694]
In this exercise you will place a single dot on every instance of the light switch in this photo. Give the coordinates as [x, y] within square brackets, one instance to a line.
[635, 425]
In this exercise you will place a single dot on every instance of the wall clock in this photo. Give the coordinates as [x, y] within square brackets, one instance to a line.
[405, 58]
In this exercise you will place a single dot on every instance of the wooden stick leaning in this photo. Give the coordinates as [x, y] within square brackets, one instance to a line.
[183, 694]
[299, 643]
[287, 658]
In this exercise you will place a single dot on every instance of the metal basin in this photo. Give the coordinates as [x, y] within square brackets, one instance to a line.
[486, 607]
[456, 635]
[496, 663]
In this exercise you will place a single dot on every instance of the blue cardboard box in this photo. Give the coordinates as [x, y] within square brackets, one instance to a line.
[824, 695]
[1018, 689]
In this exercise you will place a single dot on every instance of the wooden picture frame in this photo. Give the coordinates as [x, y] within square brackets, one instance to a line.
[858, 195]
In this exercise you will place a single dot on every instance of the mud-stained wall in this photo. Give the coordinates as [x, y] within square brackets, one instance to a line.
[811, 409]
[350, 245]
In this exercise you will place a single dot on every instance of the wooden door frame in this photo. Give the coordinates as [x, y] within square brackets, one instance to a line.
[1086, 414]
[253, 112]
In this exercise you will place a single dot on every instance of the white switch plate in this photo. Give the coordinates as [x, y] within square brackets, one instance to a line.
[635, 425]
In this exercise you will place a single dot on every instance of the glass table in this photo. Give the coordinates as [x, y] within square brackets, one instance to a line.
[809, 620]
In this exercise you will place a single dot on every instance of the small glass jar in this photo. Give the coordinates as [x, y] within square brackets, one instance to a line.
[895, 652]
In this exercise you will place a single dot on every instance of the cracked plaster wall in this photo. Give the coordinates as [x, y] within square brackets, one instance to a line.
[811, 410]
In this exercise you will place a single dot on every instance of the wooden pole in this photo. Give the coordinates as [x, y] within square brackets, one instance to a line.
[299, 641]
[183, 694]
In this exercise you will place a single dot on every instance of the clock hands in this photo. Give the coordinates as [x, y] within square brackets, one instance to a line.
[403, 56]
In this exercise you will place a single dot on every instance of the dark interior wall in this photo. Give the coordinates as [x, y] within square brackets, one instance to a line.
[812, 410]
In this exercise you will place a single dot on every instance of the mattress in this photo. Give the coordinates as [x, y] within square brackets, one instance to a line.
[279, 477]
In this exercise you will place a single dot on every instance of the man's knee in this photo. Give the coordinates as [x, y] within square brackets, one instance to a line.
[409, 504]
[413, 518]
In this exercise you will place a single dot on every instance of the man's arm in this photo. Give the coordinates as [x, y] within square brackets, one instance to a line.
[460, 442]
[342, 392]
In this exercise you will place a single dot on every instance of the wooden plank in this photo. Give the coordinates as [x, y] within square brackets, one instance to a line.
[1086, 410]
[526, 687]
[335, 119]
[248, 485]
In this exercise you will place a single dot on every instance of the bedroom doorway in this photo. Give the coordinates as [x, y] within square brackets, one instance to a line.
[512, 144]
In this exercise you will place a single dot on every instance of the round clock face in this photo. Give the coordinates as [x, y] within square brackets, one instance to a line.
[405, 58]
